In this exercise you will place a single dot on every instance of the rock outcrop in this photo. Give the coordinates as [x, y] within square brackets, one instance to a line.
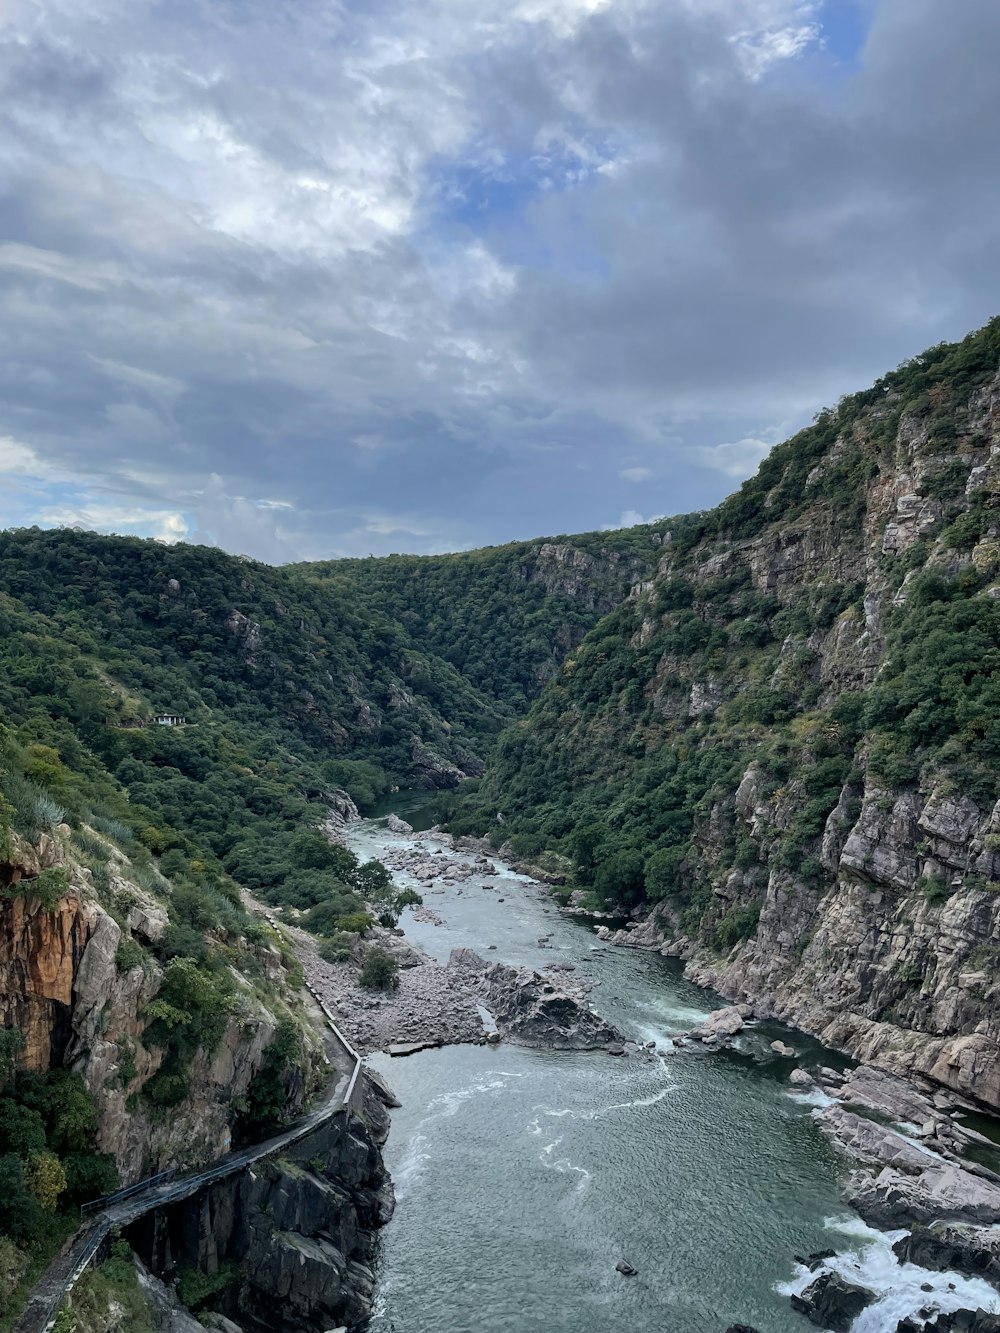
[534, 1008]
[294, 1236]
[63, 985]
[772, 717]
[831, 1302]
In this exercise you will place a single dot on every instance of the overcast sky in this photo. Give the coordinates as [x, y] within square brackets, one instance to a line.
[307, 278]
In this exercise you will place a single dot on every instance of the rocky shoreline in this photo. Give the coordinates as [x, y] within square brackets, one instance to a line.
[469, 999]
[903, 1137]
[906, 1147]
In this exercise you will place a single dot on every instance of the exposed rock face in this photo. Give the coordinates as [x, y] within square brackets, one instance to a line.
[301, 1230]
[532, 1008]
[832, 1302]
[879, 916]
[341, 811]
[595, 582]
[968, 1250]
[898, 1199]
[60, 983]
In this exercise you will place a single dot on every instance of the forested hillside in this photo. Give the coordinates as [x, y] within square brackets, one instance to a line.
[789, 744]
[504, 616]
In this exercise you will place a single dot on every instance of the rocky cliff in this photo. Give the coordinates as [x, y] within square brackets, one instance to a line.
[83, 1002]
[782, 753]
[288, 1245]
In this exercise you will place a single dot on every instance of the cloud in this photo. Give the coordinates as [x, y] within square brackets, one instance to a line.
[738, 459]
[631, 518]
[163, 525]
[404, 281]
[19, 459]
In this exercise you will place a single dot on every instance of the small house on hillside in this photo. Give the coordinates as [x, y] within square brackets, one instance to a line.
[168, 720]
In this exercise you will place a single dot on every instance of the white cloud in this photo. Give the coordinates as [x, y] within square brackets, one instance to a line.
[636, 473]
[631, 518]
[164, 525]
[19, 459]
[738, 459]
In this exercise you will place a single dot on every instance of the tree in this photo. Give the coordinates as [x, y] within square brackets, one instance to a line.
[46, 1179]
[22, 1129]
[380, 970]
[19, 1211]
[11, 1046]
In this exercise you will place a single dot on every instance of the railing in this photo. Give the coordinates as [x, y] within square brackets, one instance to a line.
[95, 1205]
[51, 1290]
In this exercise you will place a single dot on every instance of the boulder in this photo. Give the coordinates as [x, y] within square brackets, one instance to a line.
[963, 1249]
[799, 1078]
[782, 1048]
[831, 1302]
[720, 1023]
[532, 1008]
[895, 1198]
[396, 825]
[625, 1268]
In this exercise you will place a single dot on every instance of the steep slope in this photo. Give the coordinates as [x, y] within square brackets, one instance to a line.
[787, 743]
[192, 631]
[504, 616]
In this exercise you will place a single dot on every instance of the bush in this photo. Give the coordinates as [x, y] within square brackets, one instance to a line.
[355, 923]
[380, 970]
[336, 948]
[90, 1175]
[48, 887]
[935, 888]
[129, 954]
[267, 1096]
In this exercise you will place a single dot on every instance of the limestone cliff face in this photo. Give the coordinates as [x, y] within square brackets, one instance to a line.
[594, 580]
[61, 984]
[737, 711]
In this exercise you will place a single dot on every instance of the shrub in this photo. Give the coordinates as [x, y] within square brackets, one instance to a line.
[737, 924]
[355, 923]
[267, 1097]
[48, 887]
[935, 888]
[46, 1179]
[380, 970]
[195, 1287]
[129, 954]
[90, 1175]
[336, 948]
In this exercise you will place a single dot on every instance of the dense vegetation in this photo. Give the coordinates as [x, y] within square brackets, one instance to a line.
[504, 616]
[47, 1166]
[629, 761]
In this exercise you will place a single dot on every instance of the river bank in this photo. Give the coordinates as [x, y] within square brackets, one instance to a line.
[687, 1137]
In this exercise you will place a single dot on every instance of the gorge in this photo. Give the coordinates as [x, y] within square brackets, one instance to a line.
[761, 743]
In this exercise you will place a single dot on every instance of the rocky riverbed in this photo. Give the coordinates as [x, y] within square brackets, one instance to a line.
[903, 1141]
[467, 999]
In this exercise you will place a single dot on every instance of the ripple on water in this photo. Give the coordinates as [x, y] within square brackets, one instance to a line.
[520, 1187]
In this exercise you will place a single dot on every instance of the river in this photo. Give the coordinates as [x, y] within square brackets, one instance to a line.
[523, 1176]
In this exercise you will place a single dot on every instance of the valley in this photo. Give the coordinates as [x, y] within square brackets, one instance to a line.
[746, 758]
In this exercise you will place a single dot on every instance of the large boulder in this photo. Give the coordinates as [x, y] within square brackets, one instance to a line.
[534, 1008]
[962, 1249]
[831, 1302]
[894, 1198]
[720, 1023]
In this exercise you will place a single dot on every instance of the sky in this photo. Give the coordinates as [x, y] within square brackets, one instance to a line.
[310, 278]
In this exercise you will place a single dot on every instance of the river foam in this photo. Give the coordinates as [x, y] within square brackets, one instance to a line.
[900, 1287]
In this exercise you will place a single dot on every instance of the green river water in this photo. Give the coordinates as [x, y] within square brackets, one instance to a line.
[522, 1176]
